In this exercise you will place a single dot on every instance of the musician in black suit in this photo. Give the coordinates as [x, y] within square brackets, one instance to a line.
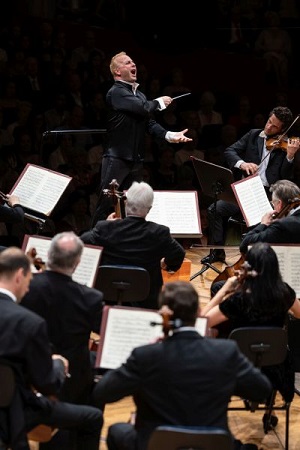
[282, 230]
[249, 155]
[138, 242]
[24, 343]
[130, 117]
[11, 212]
[72, 311]
[185, 380]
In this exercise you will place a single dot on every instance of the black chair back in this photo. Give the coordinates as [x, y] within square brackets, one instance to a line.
[187, 438]
[123, 284]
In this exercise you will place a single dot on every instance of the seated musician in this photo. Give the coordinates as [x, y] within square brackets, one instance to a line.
[25, 345]
[282, 225]
[258, 296]
[11, 212]
[138, 242]
[250, 155]
[72, 311]
[177, 381]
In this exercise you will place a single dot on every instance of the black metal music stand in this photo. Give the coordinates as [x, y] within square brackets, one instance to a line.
[215, 181]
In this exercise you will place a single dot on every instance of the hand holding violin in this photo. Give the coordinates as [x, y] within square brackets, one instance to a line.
[292, 147]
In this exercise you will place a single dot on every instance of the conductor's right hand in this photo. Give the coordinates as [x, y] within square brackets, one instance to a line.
[249, 168]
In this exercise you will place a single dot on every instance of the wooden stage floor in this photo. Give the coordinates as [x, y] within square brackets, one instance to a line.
[245, 425]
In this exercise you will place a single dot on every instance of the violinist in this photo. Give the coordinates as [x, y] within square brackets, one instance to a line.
[260, 298]
[177, 381]
[249, 155]
[282, 225]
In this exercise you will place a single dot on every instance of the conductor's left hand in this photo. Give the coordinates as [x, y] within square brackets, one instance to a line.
[179, 136]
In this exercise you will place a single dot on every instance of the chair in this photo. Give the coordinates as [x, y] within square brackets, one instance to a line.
[188, 438]
[264, 346]
[123, 284]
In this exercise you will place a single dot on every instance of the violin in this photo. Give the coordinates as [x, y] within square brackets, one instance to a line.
[281, 142]
[230, 271]
[117, 197]
[291, 204]
[36, 261]
[273, 143]
[167, 324]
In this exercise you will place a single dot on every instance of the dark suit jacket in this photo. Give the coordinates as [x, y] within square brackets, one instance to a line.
[11, 215]
[25, 344]
[129, 118]
[71, 311]
[184, 380]
[136, 241]
[249, 148]
[282, 231]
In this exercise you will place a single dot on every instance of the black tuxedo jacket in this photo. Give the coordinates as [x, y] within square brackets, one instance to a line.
[71, 311]
[135, 241]
[250, 148]
[282, 231]
[184, 380]
[24, 344]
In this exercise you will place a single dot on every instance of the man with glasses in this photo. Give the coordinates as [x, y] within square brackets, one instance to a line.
[282, 225]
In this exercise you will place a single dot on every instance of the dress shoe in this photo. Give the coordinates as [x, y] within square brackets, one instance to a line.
[269, 423]
[213, 256]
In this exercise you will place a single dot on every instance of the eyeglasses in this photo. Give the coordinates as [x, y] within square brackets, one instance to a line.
[274, 202]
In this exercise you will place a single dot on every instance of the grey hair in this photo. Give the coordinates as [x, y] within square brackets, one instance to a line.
[285, 190]
[139, 199]
[65, 251]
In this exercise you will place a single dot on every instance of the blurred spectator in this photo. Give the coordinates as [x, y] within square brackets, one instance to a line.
[275, 46]
[77, 217]
[188, 149]
[242, 118]
[165, 175]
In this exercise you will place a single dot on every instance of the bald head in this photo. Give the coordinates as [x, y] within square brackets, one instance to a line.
[65, 252]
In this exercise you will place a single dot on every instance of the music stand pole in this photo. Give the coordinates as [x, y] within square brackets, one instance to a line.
[217, 189]
[220, 188]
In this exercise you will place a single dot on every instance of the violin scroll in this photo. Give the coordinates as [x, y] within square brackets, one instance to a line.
[116, 196]
[37, 262]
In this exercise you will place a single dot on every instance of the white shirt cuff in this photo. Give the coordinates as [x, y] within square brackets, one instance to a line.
[238, 164]
[161, 103]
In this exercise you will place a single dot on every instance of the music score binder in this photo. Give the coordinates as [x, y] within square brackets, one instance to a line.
[124, 328]
[178, 210]
[252, 199]
[86, 271]
[39, 190]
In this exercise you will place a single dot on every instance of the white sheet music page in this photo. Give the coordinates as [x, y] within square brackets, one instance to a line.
[125, 328]
[289, 264]
[86, 270]
[252, 199]
[39, 188]
[178, 210]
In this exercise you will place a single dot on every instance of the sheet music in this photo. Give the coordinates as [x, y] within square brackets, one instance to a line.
[289, 264]
[178, 210]
[252, 198]
[39, 188]
[124, 329]
[86, 270]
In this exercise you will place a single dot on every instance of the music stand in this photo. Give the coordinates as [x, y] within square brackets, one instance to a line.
[215, 181]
